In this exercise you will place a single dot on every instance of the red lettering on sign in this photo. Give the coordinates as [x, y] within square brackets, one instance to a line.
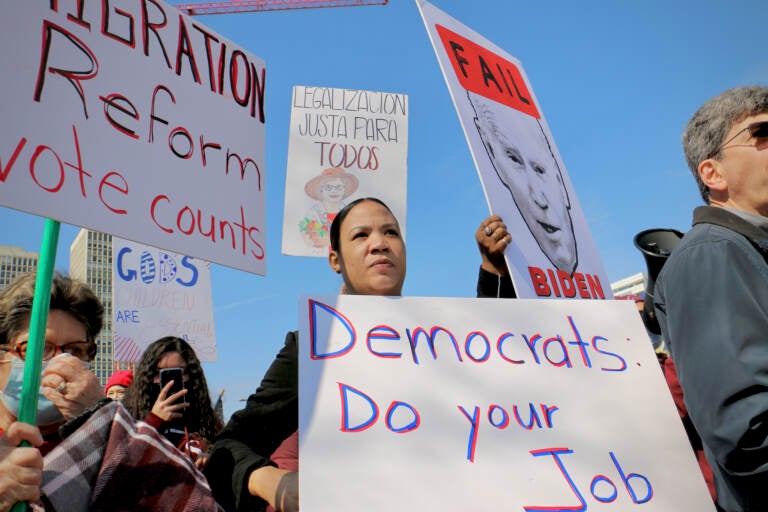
[586, 286]
[487, 74]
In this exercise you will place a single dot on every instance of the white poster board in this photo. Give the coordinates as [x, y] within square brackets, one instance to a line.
[523, 405]
[132, 119]
[158, 293]
[552, 253]
[343, 144]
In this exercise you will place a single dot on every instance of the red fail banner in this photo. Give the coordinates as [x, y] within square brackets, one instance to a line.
[487, 74]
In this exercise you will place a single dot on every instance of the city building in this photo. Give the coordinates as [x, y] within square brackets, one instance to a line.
[15, 261]
[90, 260]
[631, 285]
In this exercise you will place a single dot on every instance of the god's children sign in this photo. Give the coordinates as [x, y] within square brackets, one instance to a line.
[483, 404]
[131, 118]
[159, 293]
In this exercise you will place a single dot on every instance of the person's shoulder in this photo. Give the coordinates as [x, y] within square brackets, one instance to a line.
[705, 237]
[709, 248]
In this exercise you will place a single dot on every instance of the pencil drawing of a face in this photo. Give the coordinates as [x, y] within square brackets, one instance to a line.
[523, 160]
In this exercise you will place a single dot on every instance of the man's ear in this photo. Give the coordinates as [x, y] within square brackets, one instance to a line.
[333, 261]
[711, 174]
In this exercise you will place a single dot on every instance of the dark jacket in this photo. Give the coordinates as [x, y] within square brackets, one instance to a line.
[490, 285]
[712, 303]
[253, 433]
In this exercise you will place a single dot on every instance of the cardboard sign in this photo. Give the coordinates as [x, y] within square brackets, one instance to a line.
[487, 404]
[160, 293]
[552, 254]
[344, 144]
[132, 119]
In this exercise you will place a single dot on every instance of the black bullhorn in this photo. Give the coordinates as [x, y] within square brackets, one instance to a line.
[656, 246]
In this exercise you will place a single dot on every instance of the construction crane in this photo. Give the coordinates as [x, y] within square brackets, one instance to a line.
[233, 6]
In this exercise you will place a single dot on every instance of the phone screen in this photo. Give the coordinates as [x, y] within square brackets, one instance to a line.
[172, 374]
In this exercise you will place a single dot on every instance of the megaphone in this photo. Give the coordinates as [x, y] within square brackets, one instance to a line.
[656, 246]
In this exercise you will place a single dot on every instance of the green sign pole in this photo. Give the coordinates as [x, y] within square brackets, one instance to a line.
[37, 323]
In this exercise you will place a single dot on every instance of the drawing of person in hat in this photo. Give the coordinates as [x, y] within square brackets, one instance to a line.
[329, 191]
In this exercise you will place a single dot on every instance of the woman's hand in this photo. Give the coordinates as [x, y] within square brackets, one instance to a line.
[166, 407]
[21, 469]
[278, 487]
[70, 385]
[492, 239]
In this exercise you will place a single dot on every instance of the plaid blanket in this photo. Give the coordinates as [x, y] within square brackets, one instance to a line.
[115, 463]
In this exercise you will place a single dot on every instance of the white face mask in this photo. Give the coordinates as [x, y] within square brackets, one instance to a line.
[47, 412]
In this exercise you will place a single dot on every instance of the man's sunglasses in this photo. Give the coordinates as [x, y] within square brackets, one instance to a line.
[757, 131]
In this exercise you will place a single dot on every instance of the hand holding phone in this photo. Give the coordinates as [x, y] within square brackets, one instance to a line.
[175, 374]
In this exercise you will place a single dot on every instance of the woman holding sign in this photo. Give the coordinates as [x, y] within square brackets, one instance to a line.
[68, 387]
[368, 251]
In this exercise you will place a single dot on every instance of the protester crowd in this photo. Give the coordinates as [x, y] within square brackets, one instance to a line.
[149, 439]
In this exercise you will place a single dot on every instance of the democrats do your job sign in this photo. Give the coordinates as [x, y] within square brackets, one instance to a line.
[486, 404]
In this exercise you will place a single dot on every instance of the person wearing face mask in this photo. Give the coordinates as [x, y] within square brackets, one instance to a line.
[99, 448]
[185, 418]
[68, 388]
[246, 470]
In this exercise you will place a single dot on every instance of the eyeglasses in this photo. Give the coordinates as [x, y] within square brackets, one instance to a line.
[83, 350]
[757, 131]
[333, 188]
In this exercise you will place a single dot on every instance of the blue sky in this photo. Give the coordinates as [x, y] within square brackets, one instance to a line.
[617, 81]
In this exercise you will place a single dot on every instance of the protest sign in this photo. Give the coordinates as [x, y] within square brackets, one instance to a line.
[486, 404]
[159, 293]
[552, 253]
[134, 120]
[344, 144]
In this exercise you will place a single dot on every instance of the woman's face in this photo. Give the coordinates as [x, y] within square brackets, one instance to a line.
[116, 392]
[171, 360]
[61, 329]
[371, 255]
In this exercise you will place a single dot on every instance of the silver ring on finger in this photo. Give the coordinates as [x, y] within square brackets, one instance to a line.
[488, 231]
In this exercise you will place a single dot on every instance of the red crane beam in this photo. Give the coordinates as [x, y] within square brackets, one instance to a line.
[233, 6]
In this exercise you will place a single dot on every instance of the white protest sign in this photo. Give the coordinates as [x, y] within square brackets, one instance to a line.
[344, 144]
[552, 253]
[486, 404]
[159, 293]
[132, 119]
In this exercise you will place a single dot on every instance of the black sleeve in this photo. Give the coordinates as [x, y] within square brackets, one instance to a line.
[253, 433]
[495, 286]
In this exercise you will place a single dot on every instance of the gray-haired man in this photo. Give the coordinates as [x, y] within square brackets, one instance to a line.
[712, 294]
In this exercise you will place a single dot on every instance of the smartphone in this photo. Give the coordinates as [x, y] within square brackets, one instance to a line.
[175, 374]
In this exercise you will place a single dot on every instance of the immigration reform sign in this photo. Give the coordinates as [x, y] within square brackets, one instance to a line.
[131, 118]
